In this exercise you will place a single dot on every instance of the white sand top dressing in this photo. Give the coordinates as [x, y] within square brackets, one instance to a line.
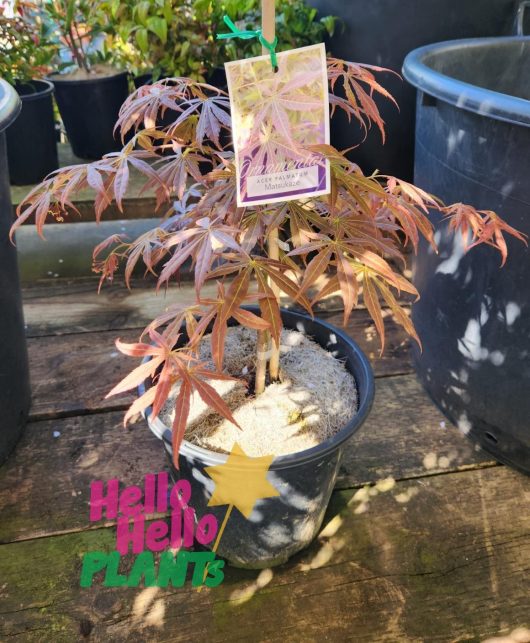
[315, 399]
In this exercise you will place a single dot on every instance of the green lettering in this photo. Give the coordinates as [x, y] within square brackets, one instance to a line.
[144, 566]
[93, 562]
[173, 568]
[200, 560]
[215, 574]
[112, 578]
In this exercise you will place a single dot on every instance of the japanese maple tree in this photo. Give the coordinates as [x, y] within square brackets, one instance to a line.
[348, 242]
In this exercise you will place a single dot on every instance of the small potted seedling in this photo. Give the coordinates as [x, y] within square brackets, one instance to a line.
[26, 54]
[89, 91]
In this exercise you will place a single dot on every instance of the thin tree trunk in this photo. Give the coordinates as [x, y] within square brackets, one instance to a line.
[274, 253]
[268, 28]
[261, 361]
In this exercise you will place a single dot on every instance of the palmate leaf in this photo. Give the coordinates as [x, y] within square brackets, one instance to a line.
[203, 242]
[149, 247]
[109, 177]
[166, 368]
[213, 112]
[375, 284]
[172, 173]
[148, 102]
[481, 226]
[194, 378]
[359, 102]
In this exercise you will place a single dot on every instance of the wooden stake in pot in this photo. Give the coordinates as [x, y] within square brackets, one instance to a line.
[268, 29]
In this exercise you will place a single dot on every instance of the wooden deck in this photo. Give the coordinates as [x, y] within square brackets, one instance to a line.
[426, 538]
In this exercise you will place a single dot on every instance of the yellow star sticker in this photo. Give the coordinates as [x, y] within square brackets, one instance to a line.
[241, 481]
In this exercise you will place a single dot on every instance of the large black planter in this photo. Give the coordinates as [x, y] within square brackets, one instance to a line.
[279, 527]
[14, 374]
[31, 139]
[472, 145]
[89, 109]
[383, 32]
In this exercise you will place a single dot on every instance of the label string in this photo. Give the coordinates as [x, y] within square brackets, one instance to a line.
[247, 35]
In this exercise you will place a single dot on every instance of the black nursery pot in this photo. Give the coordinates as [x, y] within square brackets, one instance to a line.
[280, 526]
[89, 109]
[31, 139]
[14, 372]
[142, 79]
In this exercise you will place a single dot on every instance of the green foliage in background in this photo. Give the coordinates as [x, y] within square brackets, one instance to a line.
[79, 30]
[165, 37]
[26, 45]
[177, 37]
[155, 35]
[296, 25]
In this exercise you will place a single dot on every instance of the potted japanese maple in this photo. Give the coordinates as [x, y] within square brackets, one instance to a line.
[235, 366]
[89, 91]
[26, 53]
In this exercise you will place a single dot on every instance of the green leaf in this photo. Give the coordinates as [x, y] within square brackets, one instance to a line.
[142, 40]
[184, 49]
[124, 31]
[70, 8]
[168, 12]
[114, 6]
[159, 27]
[141, 12]
[329, 24]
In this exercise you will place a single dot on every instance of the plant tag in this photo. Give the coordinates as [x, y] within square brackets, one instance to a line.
[276, 116]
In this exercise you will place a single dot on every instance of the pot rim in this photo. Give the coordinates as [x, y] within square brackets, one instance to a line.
[60, 79]
[462, 94]
[46, 90]
[364, 404]
[10, 104]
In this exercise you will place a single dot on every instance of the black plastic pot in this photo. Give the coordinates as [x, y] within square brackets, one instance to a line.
[217, 78]
[472, 142]
[281, 526]
[383, 32]
[14, 373]
[143, 79]
[89, 110]
[31, 139]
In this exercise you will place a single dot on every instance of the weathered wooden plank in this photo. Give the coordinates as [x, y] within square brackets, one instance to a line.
[80, 309]
[72, 373]
[440, 559]
[396, 358]
[402, 438]
[65, 306]
[45, 483]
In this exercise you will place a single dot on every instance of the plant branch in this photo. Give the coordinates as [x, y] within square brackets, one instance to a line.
[82, 54]
[274, 253]
[261, 361]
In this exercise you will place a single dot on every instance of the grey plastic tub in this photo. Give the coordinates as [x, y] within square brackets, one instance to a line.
[473, 145]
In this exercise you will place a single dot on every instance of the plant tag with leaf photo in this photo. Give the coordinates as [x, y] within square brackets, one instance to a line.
[277, 117]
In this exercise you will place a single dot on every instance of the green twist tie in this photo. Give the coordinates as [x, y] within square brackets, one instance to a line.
[247, 35]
